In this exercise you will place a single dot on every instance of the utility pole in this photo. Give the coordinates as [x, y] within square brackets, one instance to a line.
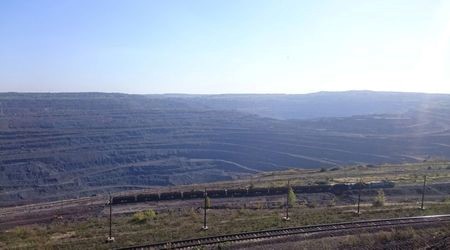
[287, 202]
[359, 196]
[423, 190]
[110, 238]
[61, 212]
[205, 227]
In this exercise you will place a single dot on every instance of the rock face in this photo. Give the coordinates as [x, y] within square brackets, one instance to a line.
[82, 144]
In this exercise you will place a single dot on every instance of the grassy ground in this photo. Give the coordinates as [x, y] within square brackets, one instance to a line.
[181, 223]
[186, 223]
[411, 173]
[400, 174]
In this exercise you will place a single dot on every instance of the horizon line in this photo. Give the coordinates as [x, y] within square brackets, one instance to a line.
[229, 93]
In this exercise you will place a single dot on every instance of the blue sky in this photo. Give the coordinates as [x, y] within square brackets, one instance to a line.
[251, 46]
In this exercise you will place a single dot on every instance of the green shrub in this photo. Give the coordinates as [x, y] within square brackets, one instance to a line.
[292, 198]
[141, 217]
[150, 214]
[138, 217]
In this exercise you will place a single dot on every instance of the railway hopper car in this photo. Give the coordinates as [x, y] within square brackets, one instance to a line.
[258, 191]
[170, 196]
[147, 197]
[219, 193]
[193, 194]
[241, 192]
[123, 199]
[277, 190]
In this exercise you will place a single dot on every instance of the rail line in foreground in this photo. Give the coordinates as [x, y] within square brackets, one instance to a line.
[267, 234]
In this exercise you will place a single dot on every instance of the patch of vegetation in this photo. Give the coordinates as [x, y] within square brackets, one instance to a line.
[186, 223]
[141, 217]
[292, 198]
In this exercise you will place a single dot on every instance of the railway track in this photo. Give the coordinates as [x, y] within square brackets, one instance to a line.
[267, 234]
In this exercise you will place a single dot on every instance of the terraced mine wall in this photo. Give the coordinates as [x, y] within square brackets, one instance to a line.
[70, 145]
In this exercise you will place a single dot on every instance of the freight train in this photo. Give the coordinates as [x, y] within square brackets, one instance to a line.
[249, 192]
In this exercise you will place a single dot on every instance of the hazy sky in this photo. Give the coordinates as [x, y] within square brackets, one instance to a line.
[212, 46]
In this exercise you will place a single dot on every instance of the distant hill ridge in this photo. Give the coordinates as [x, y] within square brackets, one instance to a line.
[321, 104]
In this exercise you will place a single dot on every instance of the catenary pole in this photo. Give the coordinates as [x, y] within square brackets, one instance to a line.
[359, 196]
[423, 191]
[205, 227]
